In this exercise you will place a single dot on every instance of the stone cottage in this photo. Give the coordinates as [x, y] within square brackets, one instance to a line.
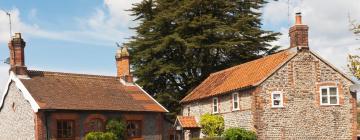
[292, 94]
[46, 105]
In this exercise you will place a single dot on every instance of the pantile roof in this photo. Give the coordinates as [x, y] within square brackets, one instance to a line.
[241, 76]
[187, 121]
[66, 91]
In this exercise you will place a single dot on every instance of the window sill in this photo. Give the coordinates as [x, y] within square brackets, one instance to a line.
[277, 107]
[233, 110]
[329, 105]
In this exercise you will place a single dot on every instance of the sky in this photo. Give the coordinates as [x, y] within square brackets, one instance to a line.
[79, 35]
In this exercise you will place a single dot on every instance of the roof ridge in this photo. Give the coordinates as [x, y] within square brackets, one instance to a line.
[252, 61]
[53, 73]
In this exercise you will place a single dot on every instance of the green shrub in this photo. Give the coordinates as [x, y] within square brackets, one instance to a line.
[100, 136]
[116, 127]
[212, 125]
[239, 134]
[210, 138]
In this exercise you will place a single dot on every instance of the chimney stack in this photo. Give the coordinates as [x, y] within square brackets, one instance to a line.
[299, 34]
[122, 58]
[17, 55]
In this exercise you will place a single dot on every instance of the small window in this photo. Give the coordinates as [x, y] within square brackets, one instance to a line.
[235, 99]
[277, 99]
[133, 129]
[215, 105]
[329, 95]
[96, 125]
[65, 129]
[13, 106]
[188, 111]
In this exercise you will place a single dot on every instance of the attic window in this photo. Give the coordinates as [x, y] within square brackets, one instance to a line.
[188, 111]
[329, 95]
[215, 105]
[277, 99]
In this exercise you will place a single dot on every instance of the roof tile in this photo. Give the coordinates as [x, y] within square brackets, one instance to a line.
[240, 76]
[54, 90]
[187, 121]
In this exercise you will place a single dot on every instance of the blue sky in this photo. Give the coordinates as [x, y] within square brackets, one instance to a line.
[79, 35]
[64, 36]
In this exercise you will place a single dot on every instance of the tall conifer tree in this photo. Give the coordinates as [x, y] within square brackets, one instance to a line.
[180, 42]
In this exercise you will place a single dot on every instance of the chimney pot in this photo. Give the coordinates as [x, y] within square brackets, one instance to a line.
[298, 19]
[299, 34]
[17, 35]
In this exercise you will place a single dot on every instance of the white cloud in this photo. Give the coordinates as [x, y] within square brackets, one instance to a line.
[328, 22]
[105, 26]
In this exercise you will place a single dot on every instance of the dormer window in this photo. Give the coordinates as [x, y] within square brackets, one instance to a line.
[215, 105]
[235, 101]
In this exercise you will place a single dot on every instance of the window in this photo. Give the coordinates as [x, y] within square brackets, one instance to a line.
[188, 111]
[133, 128]
[96, 125]
[215, 105]
[329, 95]
[65, 129]
[277, 99]
[235, 99]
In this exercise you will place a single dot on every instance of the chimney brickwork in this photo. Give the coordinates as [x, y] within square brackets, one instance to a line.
[17, 55]
[122, 58]
[299, 34]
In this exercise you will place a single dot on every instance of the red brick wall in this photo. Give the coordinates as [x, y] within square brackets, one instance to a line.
[40, 130]
[123, 66]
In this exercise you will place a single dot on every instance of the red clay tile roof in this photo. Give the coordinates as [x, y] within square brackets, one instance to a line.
[187, 121]
[53, 90]
[241, 76]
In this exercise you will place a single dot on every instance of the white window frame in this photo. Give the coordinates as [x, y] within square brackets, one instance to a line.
[237, 101]
[217, 105]
[281, 105]
[328, 95]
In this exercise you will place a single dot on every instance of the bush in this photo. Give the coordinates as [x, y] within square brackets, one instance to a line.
[116, 127]
[100, 136]
[210, 138]
[212, 125]
[239, 134]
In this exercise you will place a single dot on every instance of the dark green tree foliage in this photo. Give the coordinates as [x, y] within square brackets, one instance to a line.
[180, 42]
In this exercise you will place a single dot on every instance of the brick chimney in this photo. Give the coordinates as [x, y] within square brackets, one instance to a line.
[17, 55]
[299, 34]
[122, 58]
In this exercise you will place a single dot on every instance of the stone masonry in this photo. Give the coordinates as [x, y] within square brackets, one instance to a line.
[302, 116]
[17, 117]
[233, 118]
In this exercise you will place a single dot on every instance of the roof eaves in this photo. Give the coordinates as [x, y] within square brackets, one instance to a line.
[152, 98]
[222, 93]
